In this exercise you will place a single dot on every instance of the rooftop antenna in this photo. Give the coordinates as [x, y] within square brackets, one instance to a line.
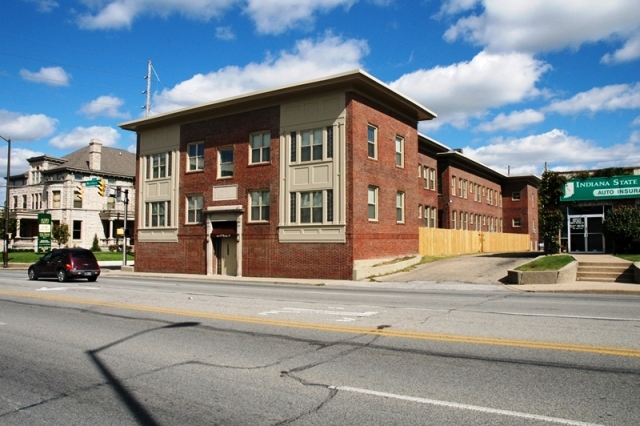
[508, 170]
[147, 105]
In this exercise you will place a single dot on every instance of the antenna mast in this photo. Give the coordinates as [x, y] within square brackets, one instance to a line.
[147, 106]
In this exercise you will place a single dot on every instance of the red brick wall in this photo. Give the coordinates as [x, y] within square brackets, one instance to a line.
[468, 205]
[526, 209]
[386, 237]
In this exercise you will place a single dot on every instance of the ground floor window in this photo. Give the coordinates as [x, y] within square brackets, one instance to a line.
[158, 214]
[77, 230]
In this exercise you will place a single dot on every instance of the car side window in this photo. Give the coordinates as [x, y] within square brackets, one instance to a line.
[47, 257]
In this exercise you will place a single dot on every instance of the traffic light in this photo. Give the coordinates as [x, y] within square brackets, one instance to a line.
[79, 191]
[118, 193]
[101, 188]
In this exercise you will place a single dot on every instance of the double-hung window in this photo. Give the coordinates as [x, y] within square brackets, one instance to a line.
[195, 152]
[158, 214]
[399, 151]
[311, 145]
[372, 142]
[225, 163]
[400, 207]
[158, 166]
[453, 186]
[194, 208]
[261, 148]
[432, 179]
[260, 202]
[372, 203]
[311, 207]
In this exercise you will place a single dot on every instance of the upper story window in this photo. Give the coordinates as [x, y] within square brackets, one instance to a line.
[158, 214]
[261, 148]
[194, 208]
[225, 163]
[195, 153]
[78, 176]
[311, 207]
[311, 145]
[399, 151]
[372, 142]
[453, 186]
[516, 222]
[158, 166]
[432, 179]
[515, 196]
[56, 200]
[260, 203]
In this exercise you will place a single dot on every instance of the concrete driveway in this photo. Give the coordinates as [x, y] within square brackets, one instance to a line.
[483, 268]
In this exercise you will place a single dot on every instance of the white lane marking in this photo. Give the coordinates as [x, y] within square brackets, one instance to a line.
[317, 311]
[525, 314]
[66, 288]
[466, 406]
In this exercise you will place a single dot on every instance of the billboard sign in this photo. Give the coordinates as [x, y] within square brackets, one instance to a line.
[593, 189]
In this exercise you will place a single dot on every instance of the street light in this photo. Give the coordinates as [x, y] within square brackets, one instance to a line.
[6, 207]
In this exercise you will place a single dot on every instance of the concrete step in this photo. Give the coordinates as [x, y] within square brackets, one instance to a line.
[605, 272]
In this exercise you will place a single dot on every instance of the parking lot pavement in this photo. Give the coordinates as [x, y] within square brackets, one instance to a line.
[483, 268]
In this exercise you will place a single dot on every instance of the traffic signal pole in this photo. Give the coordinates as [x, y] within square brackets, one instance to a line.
[125, 201]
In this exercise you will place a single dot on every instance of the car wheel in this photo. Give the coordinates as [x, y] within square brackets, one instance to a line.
[62, 277]
[92, 279]
[32, 274]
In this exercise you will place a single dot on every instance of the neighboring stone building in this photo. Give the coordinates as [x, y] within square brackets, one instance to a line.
[304, 181]
[58, 186]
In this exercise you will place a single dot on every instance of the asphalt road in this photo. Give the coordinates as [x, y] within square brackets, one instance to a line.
[173, 352]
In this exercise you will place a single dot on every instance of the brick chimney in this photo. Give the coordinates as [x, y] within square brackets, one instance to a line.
[95, 152]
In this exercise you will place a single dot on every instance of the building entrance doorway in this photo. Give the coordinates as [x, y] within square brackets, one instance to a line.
[585, 233]
[226, 253]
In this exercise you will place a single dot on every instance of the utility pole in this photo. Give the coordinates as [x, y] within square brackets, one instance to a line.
[147, 105]
[5, 255]
[125, 201]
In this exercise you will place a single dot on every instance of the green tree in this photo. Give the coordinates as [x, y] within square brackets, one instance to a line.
[60, 234]
[96, 243]
[12, 225]
[622, 225]
[550, 214]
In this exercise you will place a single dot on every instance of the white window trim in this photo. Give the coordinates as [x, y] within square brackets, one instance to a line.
[401, 152]
[199, 160]
[220, 150]
[260, 205]
[400, 197]
[373, 142]
[261, 149]
[188, 199]
[375, 203]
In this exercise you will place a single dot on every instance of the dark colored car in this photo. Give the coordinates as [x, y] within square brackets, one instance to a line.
[65, 264]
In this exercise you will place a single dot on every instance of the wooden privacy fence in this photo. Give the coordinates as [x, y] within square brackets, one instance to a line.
[435, 242]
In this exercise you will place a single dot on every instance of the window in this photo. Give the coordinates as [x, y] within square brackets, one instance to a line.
[489, 196]
[515, 196]
[425, 177]
[372, 142]
[516, 222]
[77, 197]
[419, 211]
[158, 214]
[260, 203]
[454, 217]
[400, 207]
[432, 218]
[311, 145]
[432, 179]
[464, 218]
[372, 203]
[56, 200]
[194, 208]
[399, 151]
[158, 166]
[195, 152]
[311, 207]
[77, 230]
[225, 163]
[464, 188]
[78, 176]
[460, 188]
[261, 148]
[453, 186]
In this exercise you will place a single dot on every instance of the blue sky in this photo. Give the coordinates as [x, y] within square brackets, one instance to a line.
[515, 84]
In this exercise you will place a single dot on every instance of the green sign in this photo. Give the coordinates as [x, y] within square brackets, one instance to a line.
[612, 188]
[91, 182]
[44, 232]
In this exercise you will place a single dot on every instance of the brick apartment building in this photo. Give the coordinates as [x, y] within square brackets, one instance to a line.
[301, 181]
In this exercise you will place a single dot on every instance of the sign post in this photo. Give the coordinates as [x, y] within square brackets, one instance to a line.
[125, 200]
[44, 232]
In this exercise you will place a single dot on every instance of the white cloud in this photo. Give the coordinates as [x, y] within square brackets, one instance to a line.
[21, 127]
[53, 76]
[225, 33]
[118, 14]
[629, 52]
[277, 16]
[516, 120]
[556, 147]
[80, 137]
[467, 89]
[636, 121]
[542, 25]
[104, 105]
[19, 163]
[308, 60]
[44, 6]
[607, 98]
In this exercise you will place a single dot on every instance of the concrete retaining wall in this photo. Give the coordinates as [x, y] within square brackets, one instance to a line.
[565, 275]
[370, 268]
